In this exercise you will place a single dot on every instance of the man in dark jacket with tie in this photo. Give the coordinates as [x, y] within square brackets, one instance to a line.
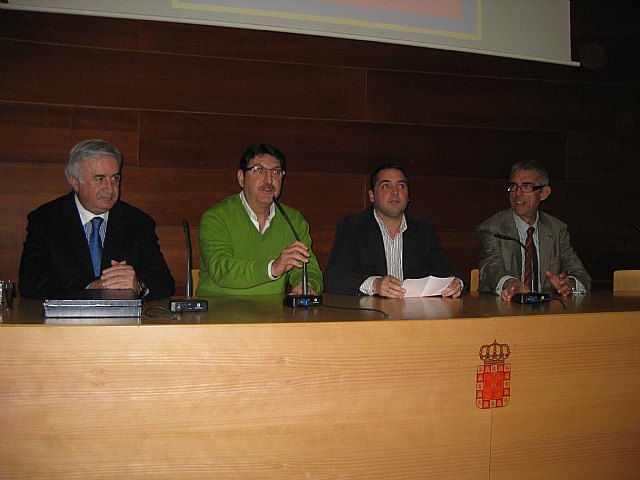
[89, 238]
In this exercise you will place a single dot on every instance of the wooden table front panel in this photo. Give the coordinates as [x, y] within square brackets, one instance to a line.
[387, 399]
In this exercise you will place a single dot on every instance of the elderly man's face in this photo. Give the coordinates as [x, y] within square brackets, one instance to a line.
[98, 187]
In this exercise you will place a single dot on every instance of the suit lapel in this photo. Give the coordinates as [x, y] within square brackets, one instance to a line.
[545, 243]
[374, 238]
[114, 237]
[72, 223]
[508, 225]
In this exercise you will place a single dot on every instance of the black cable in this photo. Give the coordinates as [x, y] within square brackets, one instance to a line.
[564, 307]
[165, 312]
[386, 315]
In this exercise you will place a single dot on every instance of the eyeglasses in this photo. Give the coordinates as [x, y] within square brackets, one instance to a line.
[260, 170]
[525, 187]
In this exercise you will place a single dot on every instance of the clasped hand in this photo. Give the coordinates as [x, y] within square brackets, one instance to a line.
[118, 276]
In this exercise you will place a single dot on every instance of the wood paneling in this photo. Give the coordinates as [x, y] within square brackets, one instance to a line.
[589, 157]
[217, 141]
[348, 400]
[183, 102]
[187, 39]
[254, 390]
[88, 31]
[78, 76]
[466, 101]
[44, 134]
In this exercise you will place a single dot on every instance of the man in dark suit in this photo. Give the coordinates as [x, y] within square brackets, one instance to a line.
[504, 264]
[376, 249]
[89, 238]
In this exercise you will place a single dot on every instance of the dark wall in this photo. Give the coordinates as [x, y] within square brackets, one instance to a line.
[183, 102]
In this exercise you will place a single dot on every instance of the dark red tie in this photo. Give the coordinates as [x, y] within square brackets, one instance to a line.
[530, 256]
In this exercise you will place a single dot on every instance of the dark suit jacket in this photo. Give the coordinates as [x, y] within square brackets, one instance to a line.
[358, 252]
[504, 257]
[56, 260]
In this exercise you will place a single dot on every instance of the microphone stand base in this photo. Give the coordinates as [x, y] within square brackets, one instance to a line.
[302, 301]
[531, 298]
[188, 305]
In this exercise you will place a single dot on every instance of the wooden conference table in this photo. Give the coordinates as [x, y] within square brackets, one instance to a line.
[252, 389]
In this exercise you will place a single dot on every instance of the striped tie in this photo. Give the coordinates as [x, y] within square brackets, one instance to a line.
[530, 257]
[95, 245]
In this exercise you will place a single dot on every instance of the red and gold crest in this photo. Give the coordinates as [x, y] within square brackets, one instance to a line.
[493, 379]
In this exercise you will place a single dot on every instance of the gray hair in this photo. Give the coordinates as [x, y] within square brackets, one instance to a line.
[543, 175]
[92, 148]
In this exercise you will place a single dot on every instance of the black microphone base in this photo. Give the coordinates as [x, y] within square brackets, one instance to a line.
[302, 301]
[188, 305]
[531, 298]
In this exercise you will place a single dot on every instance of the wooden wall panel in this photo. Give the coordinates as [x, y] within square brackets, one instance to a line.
[604, 108]
[285, 47]
[78, 76]
[589, 157]
[186, 39]
[466, 101]
[218, 141]
[606, 60]
[44, 134]
[90, 31]
[184, 101]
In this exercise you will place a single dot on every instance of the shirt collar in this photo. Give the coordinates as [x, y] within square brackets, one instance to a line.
[523, 226]
[86, 215]
[383, 227]
[253, 217]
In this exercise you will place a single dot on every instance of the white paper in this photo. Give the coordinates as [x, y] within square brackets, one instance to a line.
[425, 287]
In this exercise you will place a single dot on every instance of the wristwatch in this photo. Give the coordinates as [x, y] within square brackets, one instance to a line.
[144, 290]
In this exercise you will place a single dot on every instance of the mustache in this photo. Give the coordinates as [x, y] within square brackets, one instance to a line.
[267, 188]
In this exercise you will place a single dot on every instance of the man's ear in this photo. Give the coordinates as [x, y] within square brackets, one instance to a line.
[546, 191]
[75, 183]
[371, 196]
[241, 178]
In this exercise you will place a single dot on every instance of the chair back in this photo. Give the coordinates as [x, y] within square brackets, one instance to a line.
[195, 275]
[625, 280]
[475, 280]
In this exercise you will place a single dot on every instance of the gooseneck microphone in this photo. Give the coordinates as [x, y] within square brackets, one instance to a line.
[531, 297]
[304, 300]
[188, 304]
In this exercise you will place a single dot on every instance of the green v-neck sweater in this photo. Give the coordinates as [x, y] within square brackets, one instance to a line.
[234, 255]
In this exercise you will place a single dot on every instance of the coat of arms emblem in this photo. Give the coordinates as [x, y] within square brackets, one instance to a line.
[493, 379]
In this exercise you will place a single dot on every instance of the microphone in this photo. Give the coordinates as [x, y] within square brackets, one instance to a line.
[305, 300]
[188, 304]
[532, 297]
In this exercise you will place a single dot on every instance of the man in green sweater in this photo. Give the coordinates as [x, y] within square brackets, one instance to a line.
[246, 245]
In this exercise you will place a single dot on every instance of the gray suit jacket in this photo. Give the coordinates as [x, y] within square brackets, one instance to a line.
[503, 257]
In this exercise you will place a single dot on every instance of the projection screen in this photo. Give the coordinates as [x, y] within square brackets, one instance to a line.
[537, 30]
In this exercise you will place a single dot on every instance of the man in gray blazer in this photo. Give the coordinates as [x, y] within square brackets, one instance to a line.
[502, 260]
